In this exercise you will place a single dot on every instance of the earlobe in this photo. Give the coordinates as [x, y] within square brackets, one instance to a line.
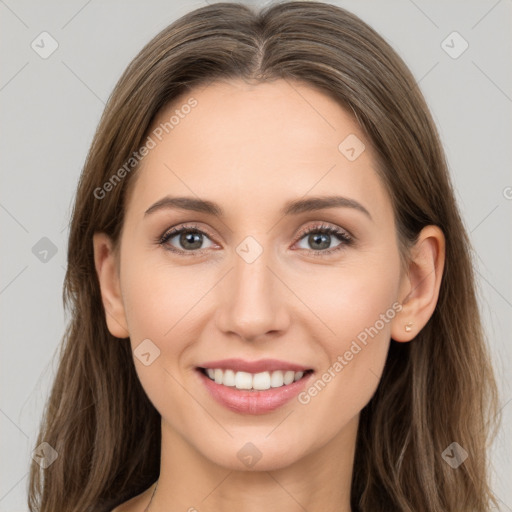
[106, 264]
[419, 290]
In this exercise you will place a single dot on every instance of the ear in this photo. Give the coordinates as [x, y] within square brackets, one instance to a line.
[107, 268]
[419, 288]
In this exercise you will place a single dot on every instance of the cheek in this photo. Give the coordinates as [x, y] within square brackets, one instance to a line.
[159, 300]
[364, 306]
[349, 300]
[359, 307]
[163, 304]
[159, 306]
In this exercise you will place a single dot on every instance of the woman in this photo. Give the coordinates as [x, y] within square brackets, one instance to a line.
[273, 301]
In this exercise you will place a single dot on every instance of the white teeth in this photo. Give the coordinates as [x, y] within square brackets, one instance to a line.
[258, 381]
[243, 380]
[277, 380]
[229, 378]
[261, 381]
[288, 377]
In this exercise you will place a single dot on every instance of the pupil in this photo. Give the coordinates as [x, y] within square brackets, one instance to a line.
[321, 240]
[318, 238]
[189, 237]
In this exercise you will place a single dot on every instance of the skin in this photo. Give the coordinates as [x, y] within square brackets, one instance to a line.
[251, 148]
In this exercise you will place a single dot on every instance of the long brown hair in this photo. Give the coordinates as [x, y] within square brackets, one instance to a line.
[434, 391]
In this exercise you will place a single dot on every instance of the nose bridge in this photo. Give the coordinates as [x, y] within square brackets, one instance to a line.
[252, 303]
[252, 279]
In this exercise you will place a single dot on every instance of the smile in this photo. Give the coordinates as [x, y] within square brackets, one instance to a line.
[253, 387]
[255, 382]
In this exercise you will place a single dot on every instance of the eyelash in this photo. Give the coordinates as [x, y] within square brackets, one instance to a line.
[343, 236]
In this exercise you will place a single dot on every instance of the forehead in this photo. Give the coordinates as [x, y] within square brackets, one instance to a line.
[257, 145]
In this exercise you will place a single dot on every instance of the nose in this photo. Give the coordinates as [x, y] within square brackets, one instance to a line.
[252, 300]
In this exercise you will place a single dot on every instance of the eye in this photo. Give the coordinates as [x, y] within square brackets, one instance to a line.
[320, 238]
[188, 238]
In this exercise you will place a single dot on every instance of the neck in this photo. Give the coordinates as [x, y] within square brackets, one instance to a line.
[319, 481]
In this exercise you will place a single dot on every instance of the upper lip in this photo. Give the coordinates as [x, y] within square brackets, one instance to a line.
[262, 365]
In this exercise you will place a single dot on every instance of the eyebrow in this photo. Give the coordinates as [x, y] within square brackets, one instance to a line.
[295, 207]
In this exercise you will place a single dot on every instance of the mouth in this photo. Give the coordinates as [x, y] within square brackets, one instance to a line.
[257, 392]
[254, 382]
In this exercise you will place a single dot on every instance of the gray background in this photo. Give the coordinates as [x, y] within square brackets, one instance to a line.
[50, 109]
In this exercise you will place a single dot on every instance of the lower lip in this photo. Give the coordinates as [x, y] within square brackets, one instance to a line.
[253, 402]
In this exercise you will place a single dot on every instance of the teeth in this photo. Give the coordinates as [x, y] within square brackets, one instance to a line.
[288, 377]
[261, 381]
[257, 381]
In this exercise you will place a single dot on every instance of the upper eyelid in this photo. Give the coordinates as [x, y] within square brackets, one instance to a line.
[324, 226]
[176, 230]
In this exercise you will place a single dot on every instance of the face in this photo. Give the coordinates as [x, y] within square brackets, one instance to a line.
[313, 288]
